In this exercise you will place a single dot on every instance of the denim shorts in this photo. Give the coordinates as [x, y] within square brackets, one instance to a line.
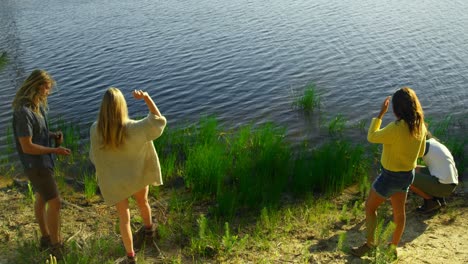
[390, 182]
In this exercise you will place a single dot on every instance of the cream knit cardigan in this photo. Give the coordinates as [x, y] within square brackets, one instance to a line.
[124, 171]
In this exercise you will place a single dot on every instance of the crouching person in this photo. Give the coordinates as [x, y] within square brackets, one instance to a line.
[438, 179]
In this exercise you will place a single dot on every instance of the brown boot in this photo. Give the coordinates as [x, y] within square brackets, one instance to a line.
[430, 205]
[362, 250]
[145, 236]
[45, 243]
[58, 250]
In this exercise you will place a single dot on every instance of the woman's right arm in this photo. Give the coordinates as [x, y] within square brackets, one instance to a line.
[377, 135]
[30, 148]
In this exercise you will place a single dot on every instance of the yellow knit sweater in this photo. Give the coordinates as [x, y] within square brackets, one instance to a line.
[400, 149]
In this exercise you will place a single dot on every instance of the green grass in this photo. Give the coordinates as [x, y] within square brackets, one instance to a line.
[3, 60]
[245, 190]
[337, 125]
[96, 250]
[8, 167]
[90, 185]
[71, 140]
[329, 168]
[309, 100]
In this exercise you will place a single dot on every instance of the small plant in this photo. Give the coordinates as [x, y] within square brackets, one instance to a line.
[203, 244]
[31, 195]
[90, 186]
[383, 253]
[3, 60]
[344, 217]
[228, 240]
[265, 222]
[341, 242]
[309, 100]
[337, 125]
[357, 210]
[59, 175]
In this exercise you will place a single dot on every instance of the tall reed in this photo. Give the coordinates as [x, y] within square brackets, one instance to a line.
[3, 60]
[329, 168]
[309, 99]
[90, 185]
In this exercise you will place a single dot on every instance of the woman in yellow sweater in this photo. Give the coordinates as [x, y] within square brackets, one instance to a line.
[403, 142]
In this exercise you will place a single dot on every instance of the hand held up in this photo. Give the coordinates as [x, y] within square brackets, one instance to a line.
[139, 94]
[384, 107]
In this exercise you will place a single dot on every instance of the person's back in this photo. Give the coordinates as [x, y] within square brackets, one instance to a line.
[438, 179]
[440, 162]
[400, 148]
[133, 163]
[126, 161]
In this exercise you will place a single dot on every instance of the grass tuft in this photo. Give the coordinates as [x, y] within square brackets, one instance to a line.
[309, 100]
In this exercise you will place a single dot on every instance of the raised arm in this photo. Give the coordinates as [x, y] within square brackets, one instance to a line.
[384, 107]
[139, 94]
[377, 135]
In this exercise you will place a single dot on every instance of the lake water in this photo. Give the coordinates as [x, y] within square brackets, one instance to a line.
[244, 61]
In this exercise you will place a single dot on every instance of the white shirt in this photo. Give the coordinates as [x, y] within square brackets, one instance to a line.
[440, 162]
[124, 171]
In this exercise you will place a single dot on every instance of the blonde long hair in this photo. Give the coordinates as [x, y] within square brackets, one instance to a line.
[113, 115]
[30, 91]
[406, 107]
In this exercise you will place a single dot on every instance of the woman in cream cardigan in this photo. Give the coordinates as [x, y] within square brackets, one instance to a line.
[126, 161]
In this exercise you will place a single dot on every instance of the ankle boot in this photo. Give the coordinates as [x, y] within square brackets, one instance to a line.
[429, 206]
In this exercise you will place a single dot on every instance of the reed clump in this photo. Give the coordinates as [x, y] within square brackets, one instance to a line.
[309, 100]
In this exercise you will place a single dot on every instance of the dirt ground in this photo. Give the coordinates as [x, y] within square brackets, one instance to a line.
[437, 238]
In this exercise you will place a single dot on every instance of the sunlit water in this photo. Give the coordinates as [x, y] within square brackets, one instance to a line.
[244, 61]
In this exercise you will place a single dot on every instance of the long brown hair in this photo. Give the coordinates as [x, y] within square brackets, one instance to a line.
[30, 91]
[406, 107]
[113, 115]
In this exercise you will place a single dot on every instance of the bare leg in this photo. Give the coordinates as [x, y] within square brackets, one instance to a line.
[53, 219]
[420, 192]
[399, 215]
[372, 203]
[141, 198]
[124, 225]
[39, 212]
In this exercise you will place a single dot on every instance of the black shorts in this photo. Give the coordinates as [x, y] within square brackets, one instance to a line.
[43, 182]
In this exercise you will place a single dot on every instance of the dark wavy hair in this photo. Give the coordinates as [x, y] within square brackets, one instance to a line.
[406, 107]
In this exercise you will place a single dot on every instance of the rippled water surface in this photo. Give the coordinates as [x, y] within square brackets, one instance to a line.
[241, 60]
